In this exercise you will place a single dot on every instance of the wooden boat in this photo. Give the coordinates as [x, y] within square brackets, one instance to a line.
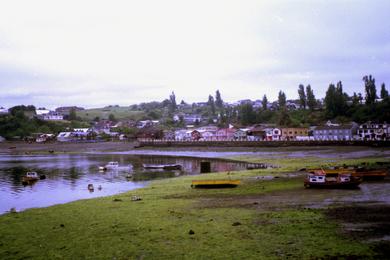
[325, 179]
[214, 183]
[162, 166]
[109, 166]
[365, 173]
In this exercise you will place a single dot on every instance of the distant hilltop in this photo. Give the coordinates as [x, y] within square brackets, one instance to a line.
[67, 110]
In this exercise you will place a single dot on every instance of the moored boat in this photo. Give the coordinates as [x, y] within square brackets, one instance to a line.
[162, 166]
[364, 172]
[109, 166]
[325, 179]
[31, 177]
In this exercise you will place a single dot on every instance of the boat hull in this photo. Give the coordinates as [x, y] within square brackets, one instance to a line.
[215, 183]
[333, 185]
[162, 167]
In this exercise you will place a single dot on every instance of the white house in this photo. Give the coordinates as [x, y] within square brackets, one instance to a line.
[192, 118]
[374, 131]
[273, 134]
[180, 135]
[42, 111]
[147, 123]
[53, 116]
[65, 137]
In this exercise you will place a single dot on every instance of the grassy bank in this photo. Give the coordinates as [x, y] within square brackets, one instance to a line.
[260, 219]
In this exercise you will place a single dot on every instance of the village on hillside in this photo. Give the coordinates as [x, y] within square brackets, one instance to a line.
[195, 127]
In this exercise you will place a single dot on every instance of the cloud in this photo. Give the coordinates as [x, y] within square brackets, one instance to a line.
[121, 52]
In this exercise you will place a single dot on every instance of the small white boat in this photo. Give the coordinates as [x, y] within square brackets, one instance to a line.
[32, 177]
[109, 166]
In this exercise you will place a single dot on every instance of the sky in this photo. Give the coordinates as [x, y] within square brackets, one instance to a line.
[94, 53]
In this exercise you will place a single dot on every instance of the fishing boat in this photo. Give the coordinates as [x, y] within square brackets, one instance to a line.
[364, 172]
[109, 166]
[322, 178]
[215, 183]
[162, 166]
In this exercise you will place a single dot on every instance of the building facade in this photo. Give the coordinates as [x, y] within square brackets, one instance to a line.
[335, 133]
[293, 133]
[374, 131]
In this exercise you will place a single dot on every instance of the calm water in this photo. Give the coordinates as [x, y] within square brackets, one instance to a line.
[67, 176]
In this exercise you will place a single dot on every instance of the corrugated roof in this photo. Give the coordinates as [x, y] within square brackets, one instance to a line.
[333, 127]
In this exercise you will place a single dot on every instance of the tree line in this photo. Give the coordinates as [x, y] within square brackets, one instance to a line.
[337, 105]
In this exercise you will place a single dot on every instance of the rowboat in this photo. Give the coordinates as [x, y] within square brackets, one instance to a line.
[214, 183]
[32, 177]
[162, 166]
[109, 166]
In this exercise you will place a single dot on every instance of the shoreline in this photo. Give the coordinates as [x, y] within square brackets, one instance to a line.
[347, 152]
[261, 218]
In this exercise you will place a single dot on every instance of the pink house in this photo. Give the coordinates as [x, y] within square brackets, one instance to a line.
[225, 134]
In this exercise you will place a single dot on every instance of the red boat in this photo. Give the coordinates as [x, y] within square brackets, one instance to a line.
[322, 179]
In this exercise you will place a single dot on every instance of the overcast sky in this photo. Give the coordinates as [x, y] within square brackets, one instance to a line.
[95, 53]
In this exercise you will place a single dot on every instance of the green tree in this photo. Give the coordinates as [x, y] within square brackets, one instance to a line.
[335, 101]
[111, 117]
[14, 110]
[311, 99]
[330, 104]
[218, 100]
[282, 100]
[355, 99]
[246, 114]
[211, 105]
[172, 104]
[264, 102]
[370, 88]
[72, 114]
[302, 96]
[341, 99]
[284, 118]
[384, 92]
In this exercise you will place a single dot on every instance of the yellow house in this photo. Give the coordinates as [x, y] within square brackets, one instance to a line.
[292, 133]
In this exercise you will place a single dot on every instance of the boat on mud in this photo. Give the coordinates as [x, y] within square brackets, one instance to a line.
[324, 179]
[363, 172]
[215, 183]
[167, 167]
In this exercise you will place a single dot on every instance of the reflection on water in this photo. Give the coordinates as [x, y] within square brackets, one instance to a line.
[67, 176]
